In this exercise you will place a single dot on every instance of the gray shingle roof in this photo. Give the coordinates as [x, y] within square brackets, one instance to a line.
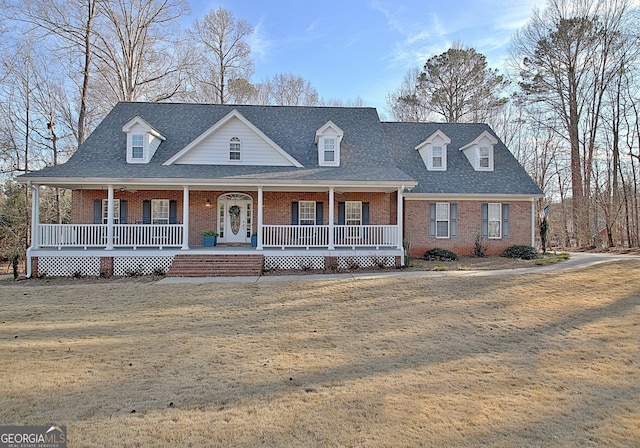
[508, 177]
[371, 151]
[364, 153]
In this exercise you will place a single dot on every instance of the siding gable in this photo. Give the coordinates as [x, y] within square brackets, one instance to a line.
[212, 146]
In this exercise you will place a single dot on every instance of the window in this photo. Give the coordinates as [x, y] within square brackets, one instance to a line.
[436, 160]
[105, 211]
[307, 212]
[495, 220]
[159, 211]
[329, 150]
[353, 213]
[137, 146]
[234, 148]
[442, 220]
[485, 156]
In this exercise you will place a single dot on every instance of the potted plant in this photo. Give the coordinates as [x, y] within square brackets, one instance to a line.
[209, 238]
[254, 239]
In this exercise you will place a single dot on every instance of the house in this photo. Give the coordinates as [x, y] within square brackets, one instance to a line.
[319, 187]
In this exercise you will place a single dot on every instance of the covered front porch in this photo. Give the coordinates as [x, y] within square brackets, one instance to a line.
[276, 222]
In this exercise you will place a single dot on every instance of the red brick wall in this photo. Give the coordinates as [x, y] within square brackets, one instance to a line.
[416, 228]
[277, 206]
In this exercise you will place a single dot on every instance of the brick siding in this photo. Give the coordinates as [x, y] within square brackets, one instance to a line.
[416, 228]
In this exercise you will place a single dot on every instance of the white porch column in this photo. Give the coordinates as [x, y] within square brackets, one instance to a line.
[35, 216]
[110, 219]
[259, 229]
[185, 218]
[533, 223]
[331, 218]
[399, 220]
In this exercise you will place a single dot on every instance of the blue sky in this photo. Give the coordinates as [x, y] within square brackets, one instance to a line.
[363, 48]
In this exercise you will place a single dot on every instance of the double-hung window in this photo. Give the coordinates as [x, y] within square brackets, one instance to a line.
[442, 220]
[234, 148]
[105, 211]
[160, 211]
[137, 146]
[329, 150]
[495, 220]
[437, 158]
[485, 157]
[307, 212]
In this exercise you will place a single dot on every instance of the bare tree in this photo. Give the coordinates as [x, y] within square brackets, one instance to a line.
[225, 55]
[288, 89]
[135, 49]
[566, 61]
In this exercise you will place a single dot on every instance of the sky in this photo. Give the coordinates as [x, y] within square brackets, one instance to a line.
[364, 48]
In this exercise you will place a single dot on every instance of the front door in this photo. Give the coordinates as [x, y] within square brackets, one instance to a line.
[235, 218]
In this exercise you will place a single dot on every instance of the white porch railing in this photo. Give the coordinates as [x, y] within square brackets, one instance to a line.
[72, 235]
[295, 236]
[358, 236]
[318, 236]
[124, 235]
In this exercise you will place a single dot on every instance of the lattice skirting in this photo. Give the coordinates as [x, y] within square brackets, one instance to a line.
[302, 263]
[141, 265]
[90, 266]
[68, 266]
[367, 261]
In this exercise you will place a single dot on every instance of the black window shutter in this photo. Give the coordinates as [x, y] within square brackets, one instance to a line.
[341, 213]
[505, 220]
[485, 220]
[319, 210]
[432, 220]
[124, 211]
[173, 212]
[365, 213]
[146, 211]
[97, 211]
[453, 211]
[294, 214]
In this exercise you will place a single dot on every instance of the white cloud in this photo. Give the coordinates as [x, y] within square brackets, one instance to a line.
[260, 42]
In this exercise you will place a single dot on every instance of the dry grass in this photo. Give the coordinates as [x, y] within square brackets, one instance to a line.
[536, 360]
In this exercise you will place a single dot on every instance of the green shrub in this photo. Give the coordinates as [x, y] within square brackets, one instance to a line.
[439, 255]
[522, 252]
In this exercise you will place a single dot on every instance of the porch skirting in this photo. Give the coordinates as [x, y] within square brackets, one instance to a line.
[123, 263]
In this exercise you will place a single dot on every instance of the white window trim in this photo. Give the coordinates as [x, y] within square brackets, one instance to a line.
[489, 220]
[448, 220]
[438, 140]
[116, 211]
[153, 211]
[133, 146]
[312, 206]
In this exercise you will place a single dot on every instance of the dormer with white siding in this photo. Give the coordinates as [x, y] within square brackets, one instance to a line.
[480, 151]
[142, 140]
[233, 140]
[434, 151]
[328, 139]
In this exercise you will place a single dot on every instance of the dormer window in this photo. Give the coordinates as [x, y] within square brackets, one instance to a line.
[234, 148]
[137, 146]
[142, 140]
[328, 139]
[437, 157]
[480, 151]
[329, 149]
[485, 157]
[434, 151]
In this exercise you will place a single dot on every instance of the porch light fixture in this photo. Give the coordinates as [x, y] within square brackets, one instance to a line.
[207, 204]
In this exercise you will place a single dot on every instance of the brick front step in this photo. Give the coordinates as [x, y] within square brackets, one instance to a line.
[216, 265]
